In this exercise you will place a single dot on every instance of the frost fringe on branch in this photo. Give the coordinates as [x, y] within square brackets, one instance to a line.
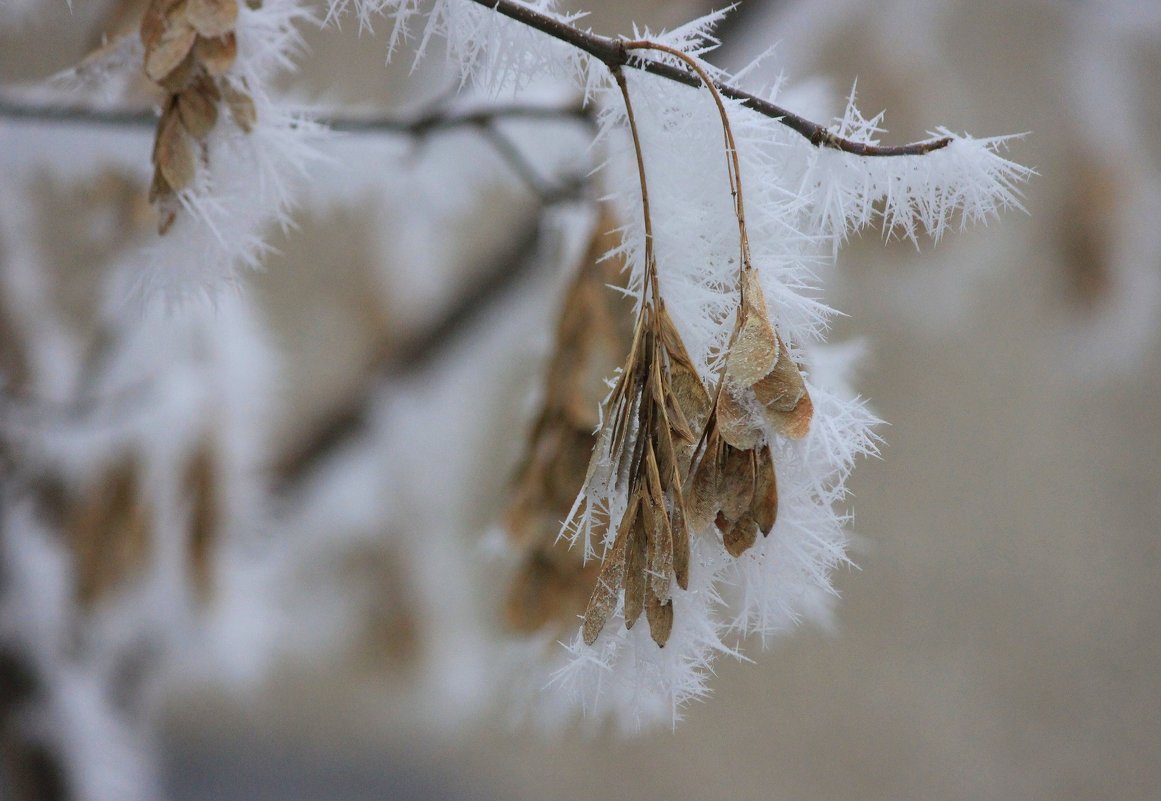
[802, 201]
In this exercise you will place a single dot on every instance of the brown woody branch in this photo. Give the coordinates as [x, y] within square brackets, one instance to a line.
[614, 54]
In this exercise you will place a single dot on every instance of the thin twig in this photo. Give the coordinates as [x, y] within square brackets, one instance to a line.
[733, 162]
[613, 53]
[428, 122]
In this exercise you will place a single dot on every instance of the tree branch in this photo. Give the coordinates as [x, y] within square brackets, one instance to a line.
[431, 121]
[613, 54]
[397, 358]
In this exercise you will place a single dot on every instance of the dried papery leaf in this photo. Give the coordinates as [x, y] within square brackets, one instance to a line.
[174, 151]
[754, 347]
[603, 600]
[764, 507]
[741, 536]
[200, 483]
[660, 617]
[172, 46]
[108, 532]
[198, 109]
[212, 17]
[241, 107]
[735, 420]
[216, 54]
[635, 567]
[736, 484]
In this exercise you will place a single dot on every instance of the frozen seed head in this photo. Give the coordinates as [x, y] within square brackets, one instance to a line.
[189, 47]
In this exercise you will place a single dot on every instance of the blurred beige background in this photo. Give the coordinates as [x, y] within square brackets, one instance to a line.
[1001, 638]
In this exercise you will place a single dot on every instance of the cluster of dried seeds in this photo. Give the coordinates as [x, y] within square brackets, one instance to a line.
[553, 582]
[657, 410]
[689, 460]
[681, 458]
[734, 485]
[189, 47]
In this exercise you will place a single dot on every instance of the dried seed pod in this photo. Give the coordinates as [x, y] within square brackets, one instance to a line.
[216, 54]
[603, 600]
[736, 484]
[635, 566]
[764, 507]
[174, 151]
[754, 348]
[660, 536]
[165, 51]
[182, 75]
[198, 108]
[212, 17]
[660, 617]
[688, 389]
[679, 530]
[794, 424]
[736, 420]
[782, 388]
[702, 495]
[241, 106]
[741, 536]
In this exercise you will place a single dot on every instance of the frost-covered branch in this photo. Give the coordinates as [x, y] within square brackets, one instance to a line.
[614, 53]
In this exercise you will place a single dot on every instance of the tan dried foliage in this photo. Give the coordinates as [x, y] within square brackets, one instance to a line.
[108, 528]
[189, 47]
[689, 460]
[656, 413]
[552, 584]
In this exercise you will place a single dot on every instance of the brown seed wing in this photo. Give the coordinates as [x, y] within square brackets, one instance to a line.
[702, 499]
[680, 533]
[241, 107]
[764, 507]
[175, 151]
[198, 111]
[603, 599]
[660, 536]
[794, 424]
[660, 617]
[169, 50]
[735, 418]
[212, 17]
[217, 53]
[736, 485]
[738, 538]
[635, 567]
[754, 348]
